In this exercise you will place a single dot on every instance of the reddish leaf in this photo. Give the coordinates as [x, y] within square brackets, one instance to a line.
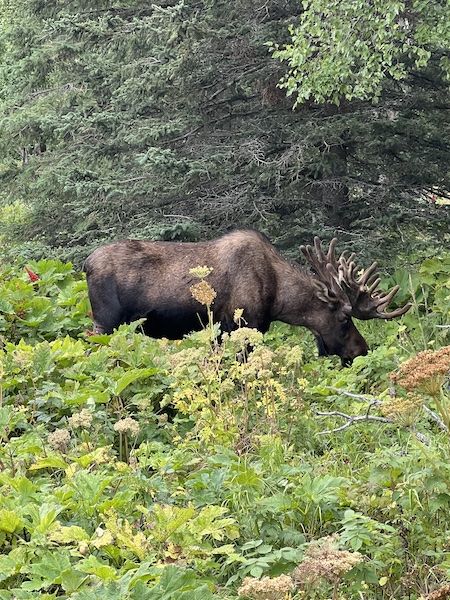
[32, 275]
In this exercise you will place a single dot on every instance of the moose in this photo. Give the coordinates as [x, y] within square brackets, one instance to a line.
[133, 279]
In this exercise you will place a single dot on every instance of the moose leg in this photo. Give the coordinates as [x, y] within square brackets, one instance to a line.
[253, 322]
[106, 310]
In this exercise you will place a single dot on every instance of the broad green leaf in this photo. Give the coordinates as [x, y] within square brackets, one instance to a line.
[49, 462]
[47, 571]
[12, 563]
[44, 517]
[94, 566]
[66, 535]
[131, 376]
[71, 580]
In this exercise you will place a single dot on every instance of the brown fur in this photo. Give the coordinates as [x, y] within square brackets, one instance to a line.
[132, 279]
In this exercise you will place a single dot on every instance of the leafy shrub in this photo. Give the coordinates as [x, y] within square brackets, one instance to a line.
[140, 468]
[54, 304]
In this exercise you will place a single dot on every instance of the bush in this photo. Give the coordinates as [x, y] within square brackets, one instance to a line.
[139, 468]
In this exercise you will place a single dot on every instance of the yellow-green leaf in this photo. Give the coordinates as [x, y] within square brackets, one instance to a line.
[10, 521]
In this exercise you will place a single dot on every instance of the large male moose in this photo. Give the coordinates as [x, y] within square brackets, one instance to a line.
[135, 279]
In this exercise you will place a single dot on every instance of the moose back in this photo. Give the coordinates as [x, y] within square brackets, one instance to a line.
[134, 279]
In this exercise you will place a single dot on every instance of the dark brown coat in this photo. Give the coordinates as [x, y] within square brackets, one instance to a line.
[132, 279]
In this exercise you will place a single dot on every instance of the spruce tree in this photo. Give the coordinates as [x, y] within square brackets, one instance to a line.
[165, 120]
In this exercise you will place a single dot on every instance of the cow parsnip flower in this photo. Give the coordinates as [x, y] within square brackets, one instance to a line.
[81, 420]
[127, 425]
[323, 560]
[203, 292]
[426, 371]
[267, 588]
[59, 439]
[201, 272]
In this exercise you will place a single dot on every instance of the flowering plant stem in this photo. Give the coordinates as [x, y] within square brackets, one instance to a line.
[123, 447]
[441, 402]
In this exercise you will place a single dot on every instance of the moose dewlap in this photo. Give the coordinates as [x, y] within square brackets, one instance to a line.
[135, 279]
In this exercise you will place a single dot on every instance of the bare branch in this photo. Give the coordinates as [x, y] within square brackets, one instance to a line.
[252, 69]
[422, 438]
[360, 397]
[207, 124]
[351, 419]
[436, 418]
[372, 402]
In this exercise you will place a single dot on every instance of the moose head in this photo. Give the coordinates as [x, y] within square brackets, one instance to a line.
[340, 295]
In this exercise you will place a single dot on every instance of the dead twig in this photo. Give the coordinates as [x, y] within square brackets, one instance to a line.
[372, 402]
[435, 417]
[351, 419]
[360, 397]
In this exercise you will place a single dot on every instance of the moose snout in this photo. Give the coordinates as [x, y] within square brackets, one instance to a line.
[358, 348]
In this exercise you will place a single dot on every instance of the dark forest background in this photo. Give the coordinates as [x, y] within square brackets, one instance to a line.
[165, 120]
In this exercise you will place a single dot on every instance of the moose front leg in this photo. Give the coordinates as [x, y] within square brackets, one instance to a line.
[107, 312]
[252, 322]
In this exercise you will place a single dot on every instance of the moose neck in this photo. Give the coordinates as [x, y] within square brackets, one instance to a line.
[295, 295]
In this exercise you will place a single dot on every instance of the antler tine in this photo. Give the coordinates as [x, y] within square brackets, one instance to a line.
[331, 257]
[367, 274]
[320, 256]
[307, 251]
[347, 269]
[317, 257]
[373, 286]
[366, 301]
[318, 248]
[324, 265]
[398, 312]
[384, 299]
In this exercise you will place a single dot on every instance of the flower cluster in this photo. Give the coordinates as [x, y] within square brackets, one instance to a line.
[267, 588]
[201, 272]
[127, 425]
[426, 371]
[59, 439]
[259, 363]
[292, 356]
[184, 359]
[323, 560]
[227, 386]
[203, 292]
[162, 418]
[238, 316]
[83, 419]
[246, 335]
[440, 594]
[402, 409]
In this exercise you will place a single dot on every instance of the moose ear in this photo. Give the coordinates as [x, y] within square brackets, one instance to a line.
[325, 294]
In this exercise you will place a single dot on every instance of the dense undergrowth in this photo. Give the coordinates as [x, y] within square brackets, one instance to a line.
[134, 468]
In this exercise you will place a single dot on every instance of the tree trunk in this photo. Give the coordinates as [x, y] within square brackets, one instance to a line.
[335, 192]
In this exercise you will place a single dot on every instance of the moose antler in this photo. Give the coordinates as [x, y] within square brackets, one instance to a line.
[325, 266]
[340, 276]
[367, 302]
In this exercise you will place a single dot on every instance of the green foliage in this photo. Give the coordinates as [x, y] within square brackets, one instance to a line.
[164, 120]
[55, 304]
[135, 468]
[346, 49]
